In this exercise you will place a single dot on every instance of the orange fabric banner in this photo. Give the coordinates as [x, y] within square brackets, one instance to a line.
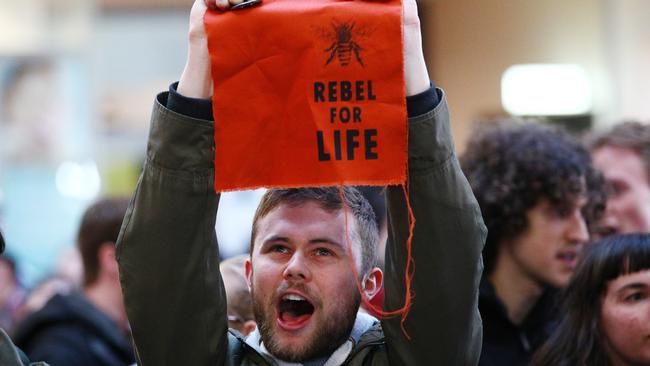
[308, 93]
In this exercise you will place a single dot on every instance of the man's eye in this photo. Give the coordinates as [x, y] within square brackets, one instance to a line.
[562, 212]
[323, 252]
[279, 249]
[617, 188]
[558, 212]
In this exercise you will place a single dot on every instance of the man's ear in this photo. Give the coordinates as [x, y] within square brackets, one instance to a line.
[372, 282]
[248, 327]
[249, 272]
[107, 260]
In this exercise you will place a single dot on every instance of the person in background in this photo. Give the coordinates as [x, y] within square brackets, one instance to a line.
[42, 292]
[10, 355]
[12, 293]
[606, 308]
[66, 278]
[238, 296]
[622, 154]
[377, 200]
[538, 192]
[88, 327]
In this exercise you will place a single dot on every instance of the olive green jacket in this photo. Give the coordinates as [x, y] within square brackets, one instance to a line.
[169, 258]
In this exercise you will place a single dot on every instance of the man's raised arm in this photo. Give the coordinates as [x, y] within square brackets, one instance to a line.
[443, 323]
[167, 250]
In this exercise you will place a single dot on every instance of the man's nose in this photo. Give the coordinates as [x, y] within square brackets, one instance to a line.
[297, 268]
[577, 231]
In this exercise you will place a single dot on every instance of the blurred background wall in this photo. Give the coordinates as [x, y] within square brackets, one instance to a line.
[471, 43]
[78, 78]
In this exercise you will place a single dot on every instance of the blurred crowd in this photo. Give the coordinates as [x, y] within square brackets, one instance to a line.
[567, 259]
[566, 276]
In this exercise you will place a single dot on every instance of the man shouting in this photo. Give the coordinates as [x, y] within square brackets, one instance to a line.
[304, 291]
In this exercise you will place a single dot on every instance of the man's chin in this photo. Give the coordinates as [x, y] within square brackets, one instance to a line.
[297, 346]
[291, 352]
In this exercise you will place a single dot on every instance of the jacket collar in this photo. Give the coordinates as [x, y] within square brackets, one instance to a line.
[540, 315]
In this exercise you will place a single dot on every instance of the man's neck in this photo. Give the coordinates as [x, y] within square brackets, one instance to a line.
[516, 290]
[108, 299]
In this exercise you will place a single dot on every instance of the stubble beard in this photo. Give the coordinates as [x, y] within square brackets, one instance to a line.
[329, 335]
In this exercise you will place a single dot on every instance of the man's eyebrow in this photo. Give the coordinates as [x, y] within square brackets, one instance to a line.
[276, 238]
[326, 241]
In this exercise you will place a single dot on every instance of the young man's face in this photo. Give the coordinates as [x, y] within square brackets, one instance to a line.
[304, 292]
[628, 206]
[546, 253]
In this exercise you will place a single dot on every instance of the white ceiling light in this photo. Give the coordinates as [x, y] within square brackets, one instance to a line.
[546, 90]
[80, 181]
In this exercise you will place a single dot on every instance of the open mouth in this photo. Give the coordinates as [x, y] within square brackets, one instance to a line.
[294, 311]
[569, 258]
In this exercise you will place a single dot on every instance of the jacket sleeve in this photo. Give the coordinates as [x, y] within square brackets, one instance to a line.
[167, 249]
[444, 325]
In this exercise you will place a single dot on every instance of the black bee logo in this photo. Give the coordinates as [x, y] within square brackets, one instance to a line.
[344, 45]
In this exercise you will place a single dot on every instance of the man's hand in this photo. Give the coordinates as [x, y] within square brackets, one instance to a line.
[196, 80]
[416, 75]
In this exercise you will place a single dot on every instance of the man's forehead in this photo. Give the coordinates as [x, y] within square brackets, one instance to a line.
[300, 208]
[309, 220]
[613, 155]
[578, 201]
[302, 213]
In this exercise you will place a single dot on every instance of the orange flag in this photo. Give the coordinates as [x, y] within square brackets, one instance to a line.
[308, 93]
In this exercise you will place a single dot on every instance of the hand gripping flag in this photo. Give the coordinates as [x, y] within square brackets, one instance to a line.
[309, 93]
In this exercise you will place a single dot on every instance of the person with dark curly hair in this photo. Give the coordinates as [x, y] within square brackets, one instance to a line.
[623, 155]
[538, 194]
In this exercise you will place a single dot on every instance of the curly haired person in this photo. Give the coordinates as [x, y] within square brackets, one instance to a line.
[538, 194]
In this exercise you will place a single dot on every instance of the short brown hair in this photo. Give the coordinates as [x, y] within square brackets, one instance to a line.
[100, 224]
[329, 198]
[629, 135]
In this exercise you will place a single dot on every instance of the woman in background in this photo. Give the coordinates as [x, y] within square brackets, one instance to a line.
[606, 308]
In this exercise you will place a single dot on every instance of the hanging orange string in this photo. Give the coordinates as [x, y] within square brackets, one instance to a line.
[408, 272]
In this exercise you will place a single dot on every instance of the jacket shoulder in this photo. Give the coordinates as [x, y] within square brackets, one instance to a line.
[241, 353]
